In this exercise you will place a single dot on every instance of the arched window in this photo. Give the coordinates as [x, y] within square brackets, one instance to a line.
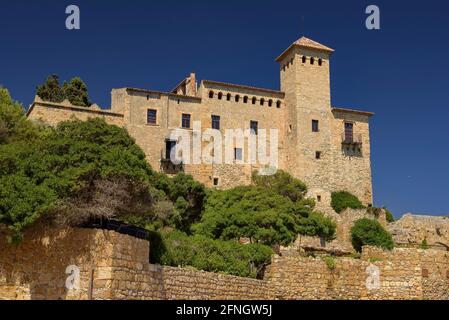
[228, 97]
[304, 59]
[320, 62]
[278, 104]
[211, 94]
[270, 103]
[237, 98]
[254, 100]
[262, 101]
[312, 60]
[220, 96]
[245, 99]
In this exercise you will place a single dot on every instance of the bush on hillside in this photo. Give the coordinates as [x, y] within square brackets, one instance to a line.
[370, 232]
[178, 249]
[343, 199]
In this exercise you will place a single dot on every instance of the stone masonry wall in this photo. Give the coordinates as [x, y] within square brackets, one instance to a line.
[115, 266]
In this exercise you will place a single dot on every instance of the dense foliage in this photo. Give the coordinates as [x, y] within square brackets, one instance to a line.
[177, 249]
[370, 232]
[388, 215]
[75, 91]
[343, 199]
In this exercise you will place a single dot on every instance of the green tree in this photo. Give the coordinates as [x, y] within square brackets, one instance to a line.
[80, 171]
[370, 232]
[388, 215]
[343, 199]
[14, 125]
[51, 90]
[76, 92]
[316, 224]
[282, 183]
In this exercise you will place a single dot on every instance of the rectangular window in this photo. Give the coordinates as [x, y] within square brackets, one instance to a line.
[318, 155]
[186, 121]
[169, 145]
[216, 122]
[349, 132]
[238, 154]
[216, 180]
[315, 126]
[151, 116]
[254, 127]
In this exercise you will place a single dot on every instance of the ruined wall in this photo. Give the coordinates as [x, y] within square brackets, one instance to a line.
[411, 230]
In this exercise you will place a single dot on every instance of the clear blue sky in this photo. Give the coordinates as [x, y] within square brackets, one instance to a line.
[400, 72]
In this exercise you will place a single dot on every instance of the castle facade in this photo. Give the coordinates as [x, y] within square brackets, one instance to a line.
[325, 146]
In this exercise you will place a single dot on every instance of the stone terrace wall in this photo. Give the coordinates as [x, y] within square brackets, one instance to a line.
[115, 266]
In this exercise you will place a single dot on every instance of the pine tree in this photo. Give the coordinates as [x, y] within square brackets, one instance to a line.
[76, 92]
[51, 90]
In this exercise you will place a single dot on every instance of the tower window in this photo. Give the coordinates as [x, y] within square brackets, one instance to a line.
[216, 122]
[245, 99]
[185, 121]
[312, 60]
[349, 132]
[278, 104]
[216, 180]
[151, 116]
[318, 198]
[254, 100]
[238, 154]
[320, 62]
[237, 98]
[270, 103]
[220, 96]
[262, 102]
[228, 97]
[315, 126]
[211, 94]
[253, 125]
[304, 59]
[318, 155]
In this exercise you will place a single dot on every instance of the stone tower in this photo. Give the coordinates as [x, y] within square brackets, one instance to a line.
[305, 79]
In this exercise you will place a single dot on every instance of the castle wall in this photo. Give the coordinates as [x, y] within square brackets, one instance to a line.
[115, 266]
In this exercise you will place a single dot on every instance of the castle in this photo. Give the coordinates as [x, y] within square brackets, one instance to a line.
[326, 147]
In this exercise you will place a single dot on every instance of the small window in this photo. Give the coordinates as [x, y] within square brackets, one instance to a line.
[220, 96]
[238, 154]
[290, 128]
[254, 100]
[315, 126]
[216, 122]
[216, 180]
[253, 125]
[186, 121]
[228, 97]
[270, 103]
[318, 198]
[151, 116]
[320, 62]
[349, 132]
[278, 104]
[148, 97]
[211, 94]
[237, 98]
[262, 101]
[318, 155]
[312, 60]
[304, 59]
[245, 99]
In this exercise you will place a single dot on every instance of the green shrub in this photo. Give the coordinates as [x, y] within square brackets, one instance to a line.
[178, 249]
[424, 244]
[370, 232]
[343, 199]
[330, 262]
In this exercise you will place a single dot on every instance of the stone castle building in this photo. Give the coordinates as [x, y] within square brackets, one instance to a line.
[327, 147]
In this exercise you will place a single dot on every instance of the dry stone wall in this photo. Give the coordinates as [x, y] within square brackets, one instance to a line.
[115, 266]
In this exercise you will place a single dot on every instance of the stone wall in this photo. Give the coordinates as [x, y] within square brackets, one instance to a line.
[115, 266]
[411, 230]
